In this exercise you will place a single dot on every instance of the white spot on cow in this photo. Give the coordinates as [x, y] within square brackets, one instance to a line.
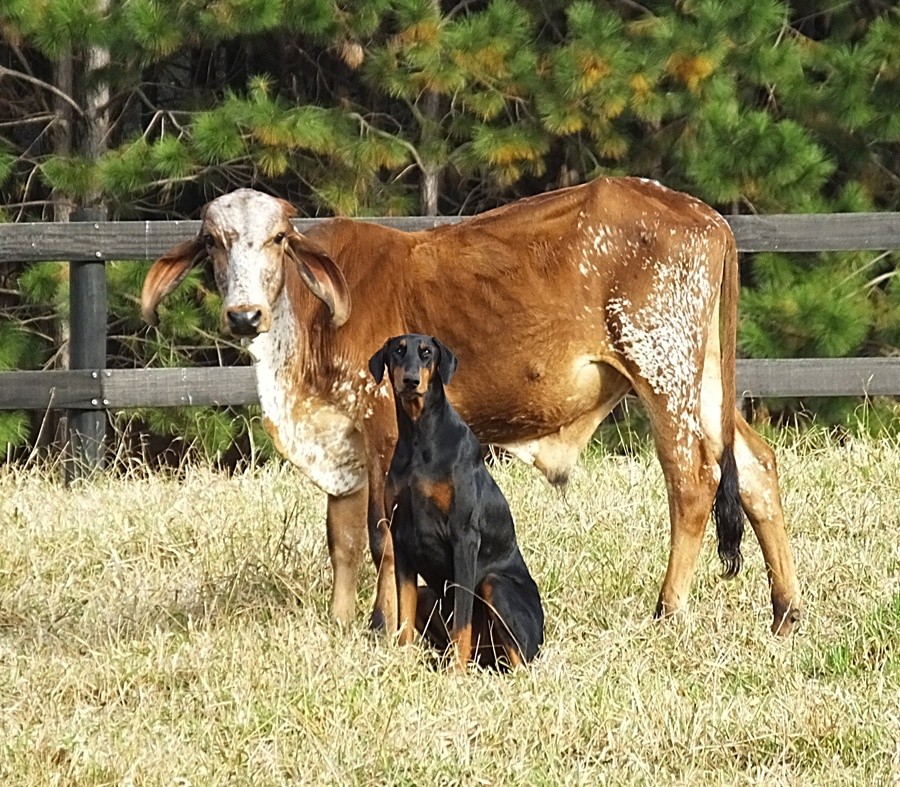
[663, 336]
[524, 451]
[318, 433]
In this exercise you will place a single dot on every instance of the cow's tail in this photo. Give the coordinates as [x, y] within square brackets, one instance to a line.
[727, 511]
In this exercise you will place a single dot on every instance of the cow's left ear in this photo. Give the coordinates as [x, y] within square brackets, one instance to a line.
[447, 361]
[377, 364]
[321, 275]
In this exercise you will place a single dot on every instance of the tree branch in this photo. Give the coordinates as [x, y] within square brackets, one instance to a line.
[369, 127]
[4, 71]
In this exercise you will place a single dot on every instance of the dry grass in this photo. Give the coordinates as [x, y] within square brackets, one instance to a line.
[173, 630]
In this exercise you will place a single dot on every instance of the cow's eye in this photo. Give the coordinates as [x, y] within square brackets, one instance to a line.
[279, 238]
[209, 241]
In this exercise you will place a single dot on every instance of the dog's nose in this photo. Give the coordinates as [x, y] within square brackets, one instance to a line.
[244, 322]
[410, 382]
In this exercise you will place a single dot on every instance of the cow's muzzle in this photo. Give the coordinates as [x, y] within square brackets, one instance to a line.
[246, 321]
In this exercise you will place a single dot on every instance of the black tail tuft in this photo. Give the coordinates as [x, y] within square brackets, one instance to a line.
[729, 516]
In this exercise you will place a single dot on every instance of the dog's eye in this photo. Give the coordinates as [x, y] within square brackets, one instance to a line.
[209, 241]
[425, 353]
[279, 238]
[398, 351]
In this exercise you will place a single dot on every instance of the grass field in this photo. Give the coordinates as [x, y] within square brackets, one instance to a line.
[173, 629]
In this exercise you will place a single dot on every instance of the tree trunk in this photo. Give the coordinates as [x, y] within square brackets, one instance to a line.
[63, 132]
[431, 105]
[431, 172]
[96, 100]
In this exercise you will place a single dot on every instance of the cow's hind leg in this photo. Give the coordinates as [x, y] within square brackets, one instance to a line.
[690, 470]
[759, 495]
[761, 499]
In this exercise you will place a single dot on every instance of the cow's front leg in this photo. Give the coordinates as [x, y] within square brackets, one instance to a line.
[384, 614]
[381, 437]
[347, 536]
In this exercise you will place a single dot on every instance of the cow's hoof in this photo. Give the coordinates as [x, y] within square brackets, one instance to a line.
[785, 618]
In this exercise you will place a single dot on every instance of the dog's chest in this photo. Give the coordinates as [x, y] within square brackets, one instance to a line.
[426, 527]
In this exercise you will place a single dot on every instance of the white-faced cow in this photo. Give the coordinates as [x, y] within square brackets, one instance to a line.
[557, 306]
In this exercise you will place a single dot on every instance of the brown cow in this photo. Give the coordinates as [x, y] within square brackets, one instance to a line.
[557, 305]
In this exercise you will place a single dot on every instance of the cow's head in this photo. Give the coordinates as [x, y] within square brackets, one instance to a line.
[250, 240]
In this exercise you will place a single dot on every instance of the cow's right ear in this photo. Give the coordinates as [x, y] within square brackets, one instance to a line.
[167, 273]
[377, 364]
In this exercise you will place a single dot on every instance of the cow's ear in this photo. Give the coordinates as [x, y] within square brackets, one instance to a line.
[377, 364]
[447, 361]
[167, 273]
[321, 275]
[289, 210]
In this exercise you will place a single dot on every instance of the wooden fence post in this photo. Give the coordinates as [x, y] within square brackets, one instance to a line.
[87, 315]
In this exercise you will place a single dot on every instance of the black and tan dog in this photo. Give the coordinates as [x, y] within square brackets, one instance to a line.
[451, 524]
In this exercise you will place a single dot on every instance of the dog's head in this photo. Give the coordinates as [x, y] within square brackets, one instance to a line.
[415, 364]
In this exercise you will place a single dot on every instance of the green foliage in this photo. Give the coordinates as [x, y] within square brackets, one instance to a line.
[15, 429]
[796, 311]
[71, 175]
[170, 158]
[45, 284]
[17, 347]
[125, 170]
[53, 26]
[216, 137]
[153, 27]
[18, 350]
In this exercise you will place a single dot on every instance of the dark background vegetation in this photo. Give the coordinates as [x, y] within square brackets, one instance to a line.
[149, 108]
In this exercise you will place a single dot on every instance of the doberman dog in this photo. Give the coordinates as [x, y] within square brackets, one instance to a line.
[451, 523]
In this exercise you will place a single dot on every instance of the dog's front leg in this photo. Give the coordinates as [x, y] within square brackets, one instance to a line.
[407, 596]
[465, 555]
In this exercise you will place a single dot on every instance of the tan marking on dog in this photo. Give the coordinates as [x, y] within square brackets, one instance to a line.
[462, 648]
[439, 493]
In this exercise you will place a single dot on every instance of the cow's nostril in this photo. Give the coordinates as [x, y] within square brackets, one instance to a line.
[244, 323]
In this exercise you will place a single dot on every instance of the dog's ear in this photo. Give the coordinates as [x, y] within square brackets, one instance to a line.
[377, 364]
[447, 362]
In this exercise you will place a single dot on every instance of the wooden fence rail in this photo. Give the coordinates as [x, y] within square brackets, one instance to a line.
[88, 390]
[115, 389]
[146, 240]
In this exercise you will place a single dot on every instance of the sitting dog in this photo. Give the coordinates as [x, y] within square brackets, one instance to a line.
[451, 523]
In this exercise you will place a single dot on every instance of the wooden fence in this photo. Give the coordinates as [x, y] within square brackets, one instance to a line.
[89, 389]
